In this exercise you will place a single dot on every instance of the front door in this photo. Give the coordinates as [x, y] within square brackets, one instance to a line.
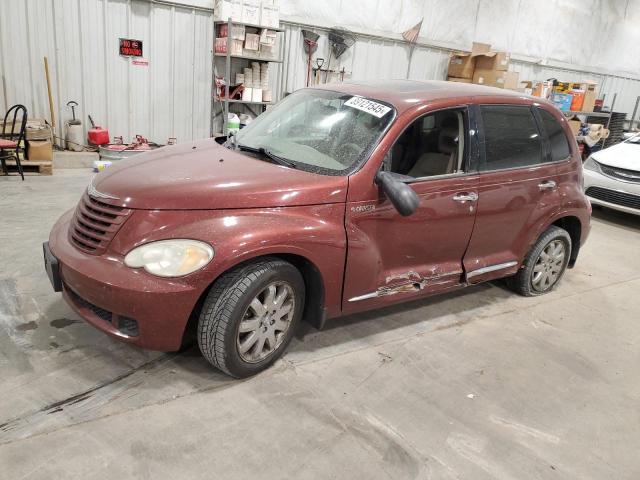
[393, 258]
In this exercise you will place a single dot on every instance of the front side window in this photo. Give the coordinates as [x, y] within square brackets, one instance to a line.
[432, 145]
[557, 138]
[319, 130]
[511, 137]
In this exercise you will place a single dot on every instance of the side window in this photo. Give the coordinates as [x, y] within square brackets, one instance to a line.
[511, 137]
[557, 138]
[432, 145]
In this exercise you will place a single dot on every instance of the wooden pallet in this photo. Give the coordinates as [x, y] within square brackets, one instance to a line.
[38, 167]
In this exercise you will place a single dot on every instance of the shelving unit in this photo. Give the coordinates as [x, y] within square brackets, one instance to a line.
[607, 115]
[245, 102]
[571, 113]
[249, 57]
[220, 105]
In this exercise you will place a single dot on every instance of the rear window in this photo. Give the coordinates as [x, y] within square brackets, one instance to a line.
[557, 138]
[511, 137]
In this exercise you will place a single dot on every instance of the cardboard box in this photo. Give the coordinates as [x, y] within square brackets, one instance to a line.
[40, 150]
[543, 89]
[496, 78]
[511, 80]
[237, 31]
[457, 79]
[270, 16]
[526, 87]
[223, 9]
[256, 95]
[498, 61]
[562, 101]
[461, 65]
[221, 46]
[578, 100]
[252, 41]
[590, 96]
[251, 12]
[480, 48]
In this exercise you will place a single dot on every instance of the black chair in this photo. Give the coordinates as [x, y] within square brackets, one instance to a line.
[10, 140]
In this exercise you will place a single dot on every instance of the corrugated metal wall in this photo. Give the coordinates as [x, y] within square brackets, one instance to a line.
[373, 57]
[167, 98]
[171, 96]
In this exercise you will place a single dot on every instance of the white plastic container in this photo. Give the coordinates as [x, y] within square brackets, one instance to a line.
[233, 124]
[257, 95]
[75, 136]
[247, 94]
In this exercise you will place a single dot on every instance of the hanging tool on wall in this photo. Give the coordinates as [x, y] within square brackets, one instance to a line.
[310, 40]
[411, 36]
[317, 70]
[340, 40]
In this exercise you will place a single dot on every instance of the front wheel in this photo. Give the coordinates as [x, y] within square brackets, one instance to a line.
[544, 265]
[249, 316]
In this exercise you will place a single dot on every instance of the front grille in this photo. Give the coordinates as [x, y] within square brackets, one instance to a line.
[95, 223]
[105, 315]
[621, 173]
[612, 196]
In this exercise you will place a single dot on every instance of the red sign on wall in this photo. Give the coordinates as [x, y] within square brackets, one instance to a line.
[130, 47]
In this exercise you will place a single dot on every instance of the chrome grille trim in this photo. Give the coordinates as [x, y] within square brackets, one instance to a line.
[625, 175]
[95, 223]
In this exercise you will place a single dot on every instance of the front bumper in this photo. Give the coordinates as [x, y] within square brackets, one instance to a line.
[612, 193]
[110, 295]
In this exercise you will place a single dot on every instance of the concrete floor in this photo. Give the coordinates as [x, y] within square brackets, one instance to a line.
[476, 384]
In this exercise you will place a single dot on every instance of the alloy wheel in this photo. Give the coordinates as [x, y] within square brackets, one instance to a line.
[548, 267]
[265, 322]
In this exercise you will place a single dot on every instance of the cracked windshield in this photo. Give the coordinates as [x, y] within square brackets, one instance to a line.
[318, 130]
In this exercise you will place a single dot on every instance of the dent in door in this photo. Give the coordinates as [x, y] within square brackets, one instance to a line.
[403, 283]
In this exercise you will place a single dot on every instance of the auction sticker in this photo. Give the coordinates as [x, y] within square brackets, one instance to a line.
[374, 108]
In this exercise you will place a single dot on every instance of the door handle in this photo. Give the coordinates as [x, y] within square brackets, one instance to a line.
[466, 197]
[548, 185]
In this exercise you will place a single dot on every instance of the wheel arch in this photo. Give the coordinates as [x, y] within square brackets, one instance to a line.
[314, 311]
[573, 226]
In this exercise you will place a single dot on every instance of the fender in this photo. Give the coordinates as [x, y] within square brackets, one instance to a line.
[314, 232]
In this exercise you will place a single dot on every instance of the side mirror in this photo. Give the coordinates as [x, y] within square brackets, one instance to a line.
[401, 195]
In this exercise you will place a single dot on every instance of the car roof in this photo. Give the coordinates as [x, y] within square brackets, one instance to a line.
[403, 94]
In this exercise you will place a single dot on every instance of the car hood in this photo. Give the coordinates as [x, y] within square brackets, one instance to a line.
[205, 175]
[623, 155]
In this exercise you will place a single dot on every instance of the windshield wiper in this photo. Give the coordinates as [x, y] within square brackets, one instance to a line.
[268, 154]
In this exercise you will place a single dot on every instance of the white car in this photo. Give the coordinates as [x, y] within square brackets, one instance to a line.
[612, 176]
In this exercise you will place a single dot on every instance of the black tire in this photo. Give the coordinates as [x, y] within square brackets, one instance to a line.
[522, 282]
[226, 304]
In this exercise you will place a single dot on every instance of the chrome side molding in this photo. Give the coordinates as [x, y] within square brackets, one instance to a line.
[491, 268]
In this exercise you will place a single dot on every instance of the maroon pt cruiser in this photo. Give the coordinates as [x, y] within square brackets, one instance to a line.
[338, 200]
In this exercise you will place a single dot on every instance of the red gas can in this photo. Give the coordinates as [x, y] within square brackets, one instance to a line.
[97, 135]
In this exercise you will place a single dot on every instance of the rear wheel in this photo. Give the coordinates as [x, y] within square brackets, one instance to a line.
[544, 265]
[249, 316]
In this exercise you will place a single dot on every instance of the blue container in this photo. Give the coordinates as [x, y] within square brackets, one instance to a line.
[562, 101]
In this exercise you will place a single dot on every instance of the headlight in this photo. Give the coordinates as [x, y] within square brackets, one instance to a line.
[170, 258]
[591, 164]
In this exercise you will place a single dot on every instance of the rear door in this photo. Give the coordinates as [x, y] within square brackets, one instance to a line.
[517, 190]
